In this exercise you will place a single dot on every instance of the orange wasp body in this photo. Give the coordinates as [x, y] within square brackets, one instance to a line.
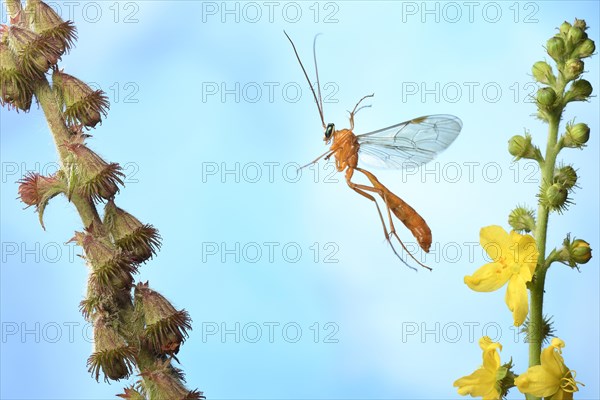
[413, 142]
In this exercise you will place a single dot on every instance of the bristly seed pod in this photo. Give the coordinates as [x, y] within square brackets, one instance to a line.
[15, 88]
[94, 177]
[555, 197]
[34, 54]
[522, 219]
[89, 307]
[37, 190]
[112, 269]
[111, 354]
[166, 328]
[82, 104]
[547, 330]
[140, 241]
[566, 176]
[130, 393]
[43, 20]
[165, 381]
[13, 7]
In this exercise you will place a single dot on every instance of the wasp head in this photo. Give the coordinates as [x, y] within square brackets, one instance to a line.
[329, 132]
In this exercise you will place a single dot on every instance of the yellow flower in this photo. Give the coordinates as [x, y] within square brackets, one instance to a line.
[514, 257]
[484, 381]
[552, 379]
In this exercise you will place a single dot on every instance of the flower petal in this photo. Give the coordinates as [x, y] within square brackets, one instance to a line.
[485, 342]
[479, 384]
[527, 255]
[491, 359]
[552, 359]
[490, 277]
[537, 381]
[495, 241]
[516, 299]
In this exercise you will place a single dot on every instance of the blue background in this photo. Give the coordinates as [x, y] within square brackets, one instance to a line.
[384, 331]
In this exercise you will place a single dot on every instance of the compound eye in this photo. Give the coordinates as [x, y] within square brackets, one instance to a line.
[329, 130]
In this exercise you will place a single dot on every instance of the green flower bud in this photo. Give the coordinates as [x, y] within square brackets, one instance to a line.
[576, 136]
[556, 48]
[564, 28]
[580, 251]
[517, 145]
[584, 49]
[575, 36]
[565, 176]
[542, 72]
[521, 147]
[574, 252]
[580, 90]
[546, 97]
[521, 219]
[573, 69]
[580, 23]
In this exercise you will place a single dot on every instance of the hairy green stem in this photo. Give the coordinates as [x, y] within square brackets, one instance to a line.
[60, 134]
[120, 321]
[535, 333]
[87, 210]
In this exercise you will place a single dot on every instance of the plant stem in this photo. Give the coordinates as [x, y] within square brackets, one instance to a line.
[537, 287]
[85, 207]
[60, 134]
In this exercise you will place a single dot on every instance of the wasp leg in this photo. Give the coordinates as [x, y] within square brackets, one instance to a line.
[327, 154]
[356, 108]
[362, 189]
[390, 202]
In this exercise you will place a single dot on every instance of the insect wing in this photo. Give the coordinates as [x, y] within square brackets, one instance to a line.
[413, 142]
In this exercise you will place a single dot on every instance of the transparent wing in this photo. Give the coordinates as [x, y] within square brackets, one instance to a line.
[413, 142]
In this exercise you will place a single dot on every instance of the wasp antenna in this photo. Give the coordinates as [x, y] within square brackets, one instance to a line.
[317, 71]
[319, 105]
